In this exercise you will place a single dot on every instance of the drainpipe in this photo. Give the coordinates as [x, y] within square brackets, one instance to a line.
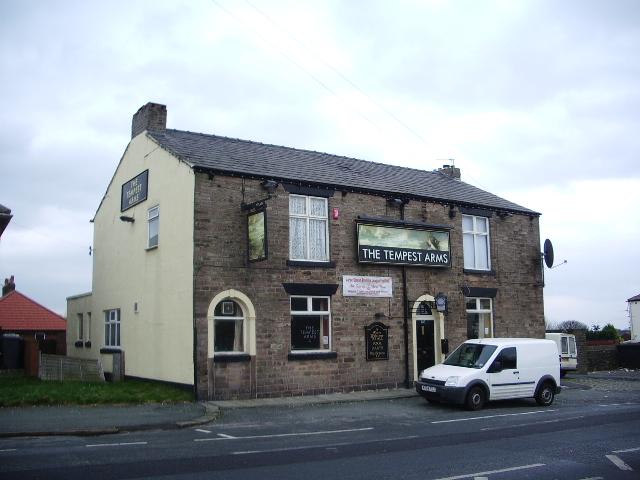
[405, 302]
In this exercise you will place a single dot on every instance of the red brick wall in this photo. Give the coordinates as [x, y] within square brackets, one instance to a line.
[221, 263]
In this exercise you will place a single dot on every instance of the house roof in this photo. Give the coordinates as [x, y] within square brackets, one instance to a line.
[232, 156]
[634, 299]
[19, 313]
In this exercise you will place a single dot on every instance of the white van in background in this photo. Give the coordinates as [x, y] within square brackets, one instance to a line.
[494, 369]
[567, 350]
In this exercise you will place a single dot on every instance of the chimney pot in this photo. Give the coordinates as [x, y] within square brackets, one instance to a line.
[152, 116]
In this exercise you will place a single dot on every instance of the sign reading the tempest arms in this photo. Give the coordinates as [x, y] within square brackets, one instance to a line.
[134, 191]
[403, 246]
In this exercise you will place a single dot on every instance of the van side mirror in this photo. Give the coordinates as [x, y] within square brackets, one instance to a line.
[495, 367]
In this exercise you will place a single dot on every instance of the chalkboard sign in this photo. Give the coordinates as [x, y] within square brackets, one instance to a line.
[377, 340]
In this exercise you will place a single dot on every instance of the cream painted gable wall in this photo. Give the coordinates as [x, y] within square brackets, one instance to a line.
[153, 288]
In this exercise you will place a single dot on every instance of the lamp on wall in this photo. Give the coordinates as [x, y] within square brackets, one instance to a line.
[269, 185]
[452, 211]
[127, 219]
[397, 201]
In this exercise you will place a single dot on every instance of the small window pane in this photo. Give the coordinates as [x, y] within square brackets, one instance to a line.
[467, 223]
[318, 207]
[297, 205]
[320, 304]
[471, 304]
[482, 225]
[485, 303]
[299, 304]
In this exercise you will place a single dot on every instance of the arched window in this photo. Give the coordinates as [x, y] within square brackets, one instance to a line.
[229, 327]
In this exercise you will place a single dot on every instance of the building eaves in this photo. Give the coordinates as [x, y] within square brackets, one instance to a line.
[229, 156]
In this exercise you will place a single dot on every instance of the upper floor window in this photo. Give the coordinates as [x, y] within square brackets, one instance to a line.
[479, 318]
[112, 328]
[475, 241]
[228, 327]
[308, 228]
[310, 323]
[154, 220]
[80, 326]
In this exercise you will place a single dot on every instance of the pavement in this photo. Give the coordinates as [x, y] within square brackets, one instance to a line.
[102, 420]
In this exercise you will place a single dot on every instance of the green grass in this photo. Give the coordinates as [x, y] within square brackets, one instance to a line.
[23, 391]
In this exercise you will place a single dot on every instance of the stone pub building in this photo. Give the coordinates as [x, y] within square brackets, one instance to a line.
[244, 270]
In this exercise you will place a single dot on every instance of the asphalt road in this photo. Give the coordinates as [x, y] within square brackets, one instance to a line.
[591, 431]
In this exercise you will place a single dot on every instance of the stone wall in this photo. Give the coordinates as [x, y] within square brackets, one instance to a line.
[220, 263]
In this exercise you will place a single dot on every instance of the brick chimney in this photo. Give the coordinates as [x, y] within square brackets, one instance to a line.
[450, 170]
[152, 116]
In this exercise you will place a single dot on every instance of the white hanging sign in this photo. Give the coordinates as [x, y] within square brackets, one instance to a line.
[360, 286]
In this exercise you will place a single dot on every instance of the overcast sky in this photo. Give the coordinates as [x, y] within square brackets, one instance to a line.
[536, 101]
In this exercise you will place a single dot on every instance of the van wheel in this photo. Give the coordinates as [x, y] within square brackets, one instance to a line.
[545, 395]
[475, 398]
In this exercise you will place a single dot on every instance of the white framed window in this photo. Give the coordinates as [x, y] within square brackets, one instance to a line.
[154, 222]
[112, 328]
[308, 228]
[229, 328]
[479, 318]
[80, 326]
[475, 242]
[310, 323]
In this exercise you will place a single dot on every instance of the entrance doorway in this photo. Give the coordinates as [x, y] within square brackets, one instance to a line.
[425, 333]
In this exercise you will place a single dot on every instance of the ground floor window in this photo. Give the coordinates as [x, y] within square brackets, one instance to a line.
[228, 327]
[479, 318]
[310, 323]
[112, 328]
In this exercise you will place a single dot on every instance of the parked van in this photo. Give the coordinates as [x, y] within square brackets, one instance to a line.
[567, 350]
[494, 369]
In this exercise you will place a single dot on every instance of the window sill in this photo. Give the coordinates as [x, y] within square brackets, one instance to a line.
[305, 263]
[155, 247]
[87, 344]
[79, 343]
[231, 357]
[312, 356]
[469, 271]
[110, 350]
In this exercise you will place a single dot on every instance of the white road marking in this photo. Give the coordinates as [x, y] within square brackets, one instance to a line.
[503, 470]
[279, 435]
[627, 450]
[202, 431]
[333, 446]
[619, 463]
[494, 416]
[223, 435]
[8, 450]
[116, 444]
[527, 424]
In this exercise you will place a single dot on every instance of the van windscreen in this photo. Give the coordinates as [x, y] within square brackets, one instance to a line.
[470, 355]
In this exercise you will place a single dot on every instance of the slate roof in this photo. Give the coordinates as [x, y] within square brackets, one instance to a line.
[19, 313]
[634, 299]
[225, 155]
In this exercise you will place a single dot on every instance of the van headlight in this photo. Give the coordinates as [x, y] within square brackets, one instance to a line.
[451, 381]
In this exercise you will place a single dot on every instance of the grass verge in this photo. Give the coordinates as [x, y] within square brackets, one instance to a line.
[24, 391]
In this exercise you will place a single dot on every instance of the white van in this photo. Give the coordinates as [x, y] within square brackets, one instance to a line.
[567, 350]
[494, 369]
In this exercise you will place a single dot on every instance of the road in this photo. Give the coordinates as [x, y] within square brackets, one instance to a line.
[585, 434]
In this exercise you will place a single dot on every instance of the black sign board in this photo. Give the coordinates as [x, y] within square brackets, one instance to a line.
[377, 340]
[134, 191]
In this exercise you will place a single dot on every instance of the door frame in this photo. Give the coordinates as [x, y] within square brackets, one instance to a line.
[438, 332]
